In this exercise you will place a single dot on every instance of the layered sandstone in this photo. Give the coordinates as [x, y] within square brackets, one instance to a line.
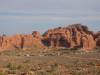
[73, 36]
[97, 38]
[20, 41]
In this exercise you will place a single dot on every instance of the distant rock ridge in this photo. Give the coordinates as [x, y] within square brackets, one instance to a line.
[72, 36]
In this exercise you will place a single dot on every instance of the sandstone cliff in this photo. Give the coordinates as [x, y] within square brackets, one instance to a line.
[97, 38]
[72, 36]
[20, 41]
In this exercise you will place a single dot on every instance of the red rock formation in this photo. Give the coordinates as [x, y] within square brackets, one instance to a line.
[31, 41]
[97, 38]
[72, 36]
[10, 42]
[20, 41]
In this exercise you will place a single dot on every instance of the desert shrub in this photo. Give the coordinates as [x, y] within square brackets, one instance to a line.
[2, 73]
[13, 66]
[91, 64]
[11, 71]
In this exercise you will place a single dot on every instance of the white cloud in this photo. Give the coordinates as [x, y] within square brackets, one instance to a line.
[31, 5]
[40, 18]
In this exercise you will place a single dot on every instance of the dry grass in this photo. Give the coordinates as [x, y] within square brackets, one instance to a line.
[49, 62]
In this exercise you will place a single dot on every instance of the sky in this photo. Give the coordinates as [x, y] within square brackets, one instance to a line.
[25, 16]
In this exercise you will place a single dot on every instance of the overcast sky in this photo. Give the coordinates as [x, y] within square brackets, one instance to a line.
[25, 16]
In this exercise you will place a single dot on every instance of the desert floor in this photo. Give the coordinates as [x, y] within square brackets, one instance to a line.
[50, 62]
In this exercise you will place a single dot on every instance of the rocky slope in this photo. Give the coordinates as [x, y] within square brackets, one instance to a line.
[73, 36]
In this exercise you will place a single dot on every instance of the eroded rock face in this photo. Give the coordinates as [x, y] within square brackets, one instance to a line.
[71, 37]
[20, 41]
[97, 38]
